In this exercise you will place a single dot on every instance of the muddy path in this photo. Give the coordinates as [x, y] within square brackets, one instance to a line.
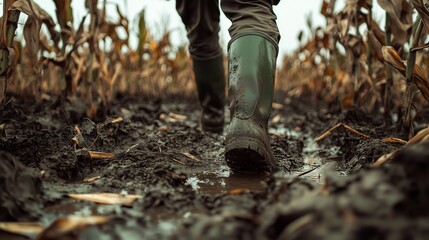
[325, 189]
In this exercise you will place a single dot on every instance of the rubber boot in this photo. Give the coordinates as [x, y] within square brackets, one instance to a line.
[210, 80]
[252, 64]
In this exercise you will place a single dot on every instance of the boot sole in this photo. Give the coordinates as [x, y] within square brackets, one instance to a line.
[248, 155]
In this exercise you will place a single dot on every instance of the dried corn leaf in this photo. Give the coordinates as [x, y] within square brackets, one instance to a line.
[64, 12]
[171, 120]
[277, 106]
[238, 191]
[421, 7]
[376, 45]
[117, 120]
[276, 118]
[78, 138]
[32, 9]
[3, 23]
[383, 159]
[91, 179]
[394, 140]
[392, 57]
[36, 15]
[400, 13]
[63, 226]
[163, 128]
[100, 155]
[191, 156]
[325, 10]
[22, 228]
[107, 198]
[379, 34]
[162, 116]
[422, 82]
[351, 15]
[421, 136]
[177, 116]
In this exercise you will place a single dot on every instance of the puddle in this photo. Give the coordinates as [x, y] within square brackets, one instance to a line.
[312, 154]
[223, 181]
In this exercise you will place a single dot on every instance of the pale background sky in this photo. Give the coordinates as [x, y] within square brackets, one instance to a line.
[291, 18]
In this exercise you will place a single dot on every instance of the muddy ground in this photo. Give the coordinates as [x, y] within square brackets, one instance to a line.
[323, 190]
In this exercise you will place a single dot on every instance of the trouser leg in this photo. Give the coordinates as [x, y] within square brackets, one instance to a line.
[201, 19]
[252, 16]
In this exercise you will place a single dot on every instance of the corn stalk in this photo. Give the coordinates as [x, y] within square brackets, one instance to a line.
[411, 90]
[356, 60]
[370, 54]
[389, 75]
[9, 24]
[92, 6]
[65, 16]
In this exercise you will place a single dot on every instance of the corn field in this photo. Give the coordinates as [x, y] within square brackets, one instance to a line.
[76, 62]
[101, 140]
[352, 59]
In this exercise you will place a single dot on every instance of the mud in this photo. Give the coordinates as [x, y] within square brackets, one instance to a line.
[323, 190]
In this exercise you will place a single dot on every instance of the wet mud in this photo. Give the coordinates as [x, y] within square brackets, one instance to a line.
[322, 190]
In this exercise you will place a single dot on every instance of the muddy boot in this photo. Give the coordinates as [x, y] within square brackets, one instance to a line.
[252, 64]
[210, 80]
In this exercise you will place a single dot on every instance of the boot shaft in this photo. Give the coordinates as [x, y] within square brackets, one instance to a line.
[210, 82]
[252, 64]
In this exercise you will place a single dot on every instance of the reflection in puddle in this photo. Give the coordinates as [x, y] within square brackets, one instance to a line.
[223, 181]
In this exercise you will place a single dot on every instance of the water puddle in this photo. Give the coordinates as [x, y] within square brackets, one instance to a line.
[224, 181]
[314, 156]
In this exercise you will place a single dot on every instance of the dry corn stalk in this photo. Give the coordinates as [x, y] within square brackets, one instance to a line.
[63, 226]
[8, 25]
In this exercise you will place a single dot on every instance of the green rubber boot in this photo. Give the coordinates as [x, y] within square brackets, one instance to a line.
[210, 81]
[252, 64]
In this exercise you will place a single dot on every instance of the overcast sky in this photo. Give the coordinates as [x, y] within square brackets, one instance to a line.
[291, 18]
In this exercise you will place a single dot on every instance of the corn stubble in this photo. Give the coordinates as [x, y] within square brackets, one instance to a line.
[352, 61]
[92, 61]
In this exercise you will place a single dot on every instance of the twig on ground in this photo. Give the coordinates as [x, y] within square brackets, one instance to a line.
[345, 126]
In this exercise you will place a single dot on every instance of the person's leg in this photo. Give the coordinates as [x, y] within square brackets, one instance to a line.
[201, 19]
[252, 54]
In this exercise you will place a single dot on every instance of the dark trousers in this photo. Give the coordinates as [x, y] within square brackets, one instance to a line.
[201, 19]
